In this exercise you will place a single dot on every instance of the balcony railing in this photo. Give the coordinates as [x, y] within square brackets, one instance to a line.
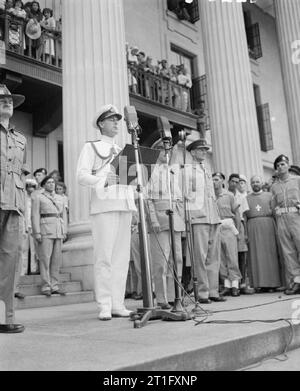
[46, 49]
[158, 89]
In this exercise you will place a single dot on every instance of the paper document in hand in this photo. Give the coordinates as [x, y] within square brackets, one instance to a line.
[125, 164]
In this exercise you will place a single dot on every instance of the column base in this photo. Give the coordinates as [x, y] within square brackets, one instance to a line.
[78, 255]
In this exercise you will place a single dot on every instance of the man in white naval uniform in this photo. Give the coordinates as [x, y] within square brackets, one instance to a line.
[111, 207]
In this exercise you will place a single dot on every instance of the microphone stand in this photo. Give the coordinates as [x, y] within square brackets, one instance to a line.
[148, 312]
[189, 231]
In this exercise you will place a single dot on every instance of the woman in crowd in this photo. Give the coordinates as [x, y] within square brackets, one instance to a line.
[48, 23]
[35, 16]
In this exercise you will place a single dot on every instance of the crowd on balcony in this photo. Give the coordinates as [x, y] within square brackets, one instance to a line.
[31, 30]
[162, 83]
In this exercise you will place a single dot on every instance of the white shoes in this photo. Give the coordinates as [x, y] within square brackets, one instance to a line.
[122, 313]
[104, 315]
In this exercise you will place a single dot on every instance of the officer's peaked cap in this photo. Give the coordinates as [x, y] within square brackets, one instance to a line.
[105, 112]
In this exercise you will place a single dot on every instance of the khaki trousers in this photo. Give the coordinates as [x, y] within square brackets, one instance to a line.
[50, 256]
[207, 258]
[111, 237]
[289, 237]
[11, 230]
[162, 264]
[229, 268]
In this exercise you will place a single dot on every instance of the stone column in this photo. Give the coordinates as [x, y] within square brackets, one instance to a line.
[94, 74]
[288, 31]
[235, 134]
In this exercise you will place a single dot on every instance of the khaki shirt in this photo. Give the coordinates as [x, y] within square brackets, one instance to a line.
[158, 201]
[53, 227]
[202, 204]
[13, 170]
[286, 193]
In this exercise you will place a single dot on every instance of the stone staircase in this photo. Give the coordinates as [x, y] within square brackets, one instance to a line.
[30, 286]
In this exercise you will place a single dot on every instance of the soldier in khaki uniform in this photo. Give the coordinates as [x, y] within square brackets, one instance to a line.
[48, 216]
[286, 204]
[160, 240]
[206, 222]
[12, 203]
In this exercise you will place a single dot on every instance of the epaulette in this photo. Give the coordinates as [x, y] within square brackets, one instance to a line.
[19, 133]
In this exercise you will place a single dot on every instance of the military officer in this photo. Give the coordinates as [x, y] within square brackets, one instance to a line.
[230, 220]
[111, 207]
[160, 242]
[49, 228]
[12, 203]
[206, 222]
[286, 204]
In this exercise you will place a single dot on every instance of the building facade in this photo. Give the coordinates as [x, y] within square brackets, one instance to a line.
[241, 58]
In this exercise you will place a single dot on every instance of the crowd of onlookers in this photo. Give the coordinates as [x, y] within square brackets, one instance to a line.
[252, 255]
[166, 88]
[30, 28]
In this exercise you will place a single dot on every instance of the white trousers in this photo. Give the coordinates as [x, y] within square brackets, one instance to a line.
[111, 236]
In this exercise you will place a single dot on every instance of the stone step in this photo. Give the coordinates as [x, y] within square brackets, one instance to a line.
[36, 279]
[38, 301]
[35, 289]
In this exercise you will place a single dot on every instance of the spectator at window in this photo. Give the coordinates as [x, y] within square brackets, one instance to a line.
[48, 24]
[19, 10]
[141, 56]
[184, 79]
[27, 9]
[149, 68]
[16, 38]
[35, 17]
[9, 6]
[165, 72]
[175, 88]
[132, 61]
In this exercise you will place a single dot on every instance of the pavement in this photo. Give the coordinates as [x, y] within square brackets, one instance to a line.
[71, 338]
[285, 362]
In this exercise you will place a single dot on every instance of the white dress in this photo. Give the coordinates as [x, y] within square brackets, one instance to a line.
[49, 42]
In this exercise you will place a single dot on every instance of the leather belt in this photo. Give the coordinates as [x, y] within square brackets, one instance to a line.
[51, 215]
[288, 209]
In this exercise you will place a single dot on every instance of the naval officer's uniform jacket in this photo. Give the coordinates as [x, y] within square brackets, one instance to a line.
[111, 210]
[12, 209]
[49, 219]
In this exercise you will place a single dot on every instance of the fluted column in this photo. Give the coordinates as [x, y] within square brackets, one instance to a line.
[288, 31]
[94, 74]
[235, 135]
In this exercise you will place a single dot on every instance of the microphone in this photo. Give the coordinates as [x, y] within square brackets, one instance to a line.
[164, 128]
[130, 116]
